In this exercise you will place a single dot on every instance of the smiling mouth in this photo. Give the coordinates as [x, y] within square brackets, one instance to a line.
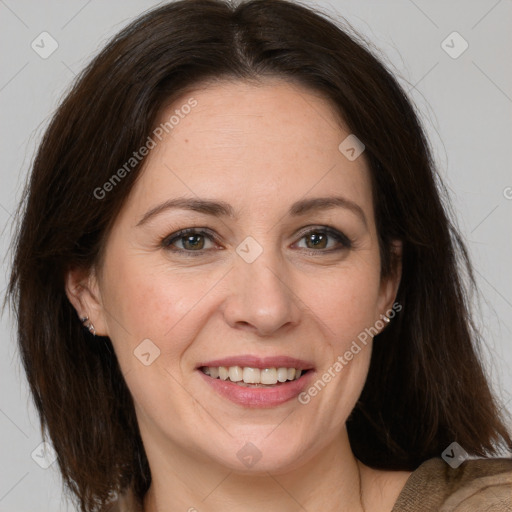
[253, 377]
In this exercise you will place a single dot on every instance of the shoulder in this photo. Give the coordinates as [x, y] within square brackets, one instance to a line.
[477, 485]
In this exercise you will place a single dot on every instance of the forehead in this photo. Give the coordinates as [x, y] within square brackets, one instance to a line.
[251, 142]
[232, 113]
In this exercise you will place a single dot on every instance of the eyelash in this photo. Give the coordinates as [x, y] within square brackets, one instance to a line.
[167, 242]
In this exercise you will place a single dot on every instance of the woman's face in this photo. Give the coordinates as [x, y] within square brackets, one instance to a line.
[280, 272]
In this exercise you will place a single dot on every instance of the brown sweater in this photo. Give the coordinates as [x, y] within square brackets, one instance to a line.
[477, 485]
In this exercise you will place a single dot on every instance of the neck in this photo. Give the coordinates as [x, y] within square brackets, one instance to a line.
[329, 481]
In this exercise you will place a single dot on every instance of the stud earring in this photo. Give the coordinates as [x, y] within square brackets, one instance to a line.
[91, 328]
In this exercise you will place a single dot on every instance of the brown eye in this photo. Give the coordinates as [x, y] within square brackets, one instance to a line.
[192, 242]
[325, 240]
[317, 240]
[188, 240]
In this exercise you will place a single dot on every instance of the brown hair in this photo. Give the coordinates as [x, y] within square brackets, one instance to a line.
[426, 386]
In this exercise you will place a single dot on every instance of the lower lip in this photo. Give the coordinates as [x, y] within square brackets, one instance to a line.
[258, 397]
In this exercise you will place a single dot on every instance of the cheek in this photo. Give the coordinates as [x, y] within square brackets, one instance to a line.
[157, 317]
[152, 301]
[135, 296]
[345, 301]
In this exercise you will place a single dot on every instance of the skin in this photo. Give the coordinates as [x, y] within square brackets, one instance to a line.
[260, 148]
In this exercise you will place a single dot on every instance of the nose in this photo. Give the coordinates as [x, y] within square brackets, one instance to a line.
[261, 297]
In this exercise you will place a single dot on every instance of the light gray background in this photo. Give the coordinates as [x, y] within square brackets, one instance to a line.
[466, 105]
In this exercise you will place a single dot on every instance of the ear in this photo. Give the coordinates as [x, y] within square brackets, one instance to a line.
[82, 290]
[389, 284]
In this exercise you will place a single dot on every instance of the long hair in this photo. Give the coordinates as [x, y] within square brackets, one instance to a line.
[426, 386]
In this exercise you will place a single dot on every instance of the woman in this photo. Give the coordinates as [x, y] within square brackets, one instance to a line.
[236, 284]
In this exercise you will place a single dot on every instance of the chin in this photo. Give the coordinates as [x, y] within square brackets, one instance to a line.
[263, 453]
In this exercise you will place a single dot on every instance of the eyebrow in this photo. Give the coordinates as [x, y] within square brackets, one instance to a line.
[223, 209]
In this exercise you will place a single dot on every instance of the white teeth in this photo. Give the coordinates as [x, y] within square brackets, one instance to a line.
[235, 373]
[223, 373]
[268, 376]
[251, 375]
[248, 375]
[282, 374]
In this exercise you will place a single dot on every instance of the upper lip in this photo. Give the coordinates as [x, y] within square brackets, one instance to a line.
[260, 362]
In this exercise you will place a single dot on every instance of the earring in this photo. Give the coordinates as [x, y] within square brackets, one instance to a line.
[91, 328]
[387, 319]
